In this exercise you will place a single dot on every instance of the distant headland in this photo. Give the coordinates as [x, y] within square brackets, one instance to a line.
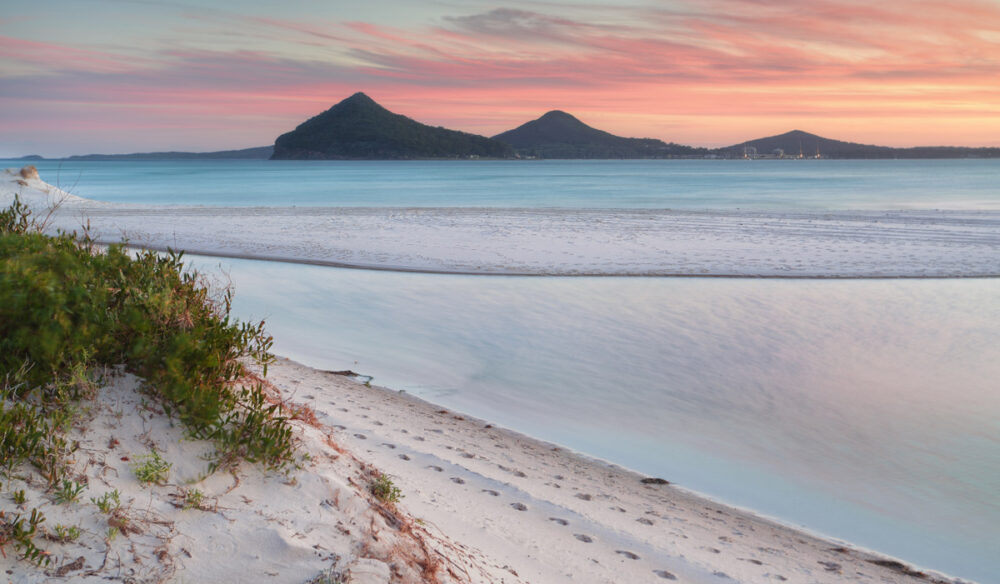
[358, 128]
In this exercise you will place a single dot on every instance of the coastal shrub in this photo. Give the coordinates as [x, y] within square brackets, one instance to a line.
[65, 310]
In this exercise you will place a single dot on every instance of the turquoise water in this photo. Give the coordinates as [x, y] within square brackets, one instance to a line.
[679, 184]
[865, 410]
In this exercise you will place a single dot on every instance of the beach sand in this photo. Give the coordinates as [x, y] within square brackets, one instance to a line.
[480, 504]
[553, 515]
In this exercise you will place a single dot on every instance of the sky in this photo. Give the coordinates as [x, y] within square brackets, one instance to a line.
[115, 76]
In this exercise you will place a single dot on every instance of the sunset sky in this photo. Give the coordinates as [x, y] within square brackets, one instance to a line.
[82, 76]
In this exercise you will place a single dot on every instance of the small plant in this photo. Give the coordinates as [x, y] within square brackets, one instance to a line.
[20, 497]
[151, 469]
[69, 492]
[21, 533]
[108, 502]
[112, 534]
[328, 576]
[384, 490]
[65, 534]
[193, 499]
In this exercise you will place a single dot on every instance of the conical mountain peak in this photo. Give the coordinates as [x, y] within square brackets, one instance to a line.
[360, 128]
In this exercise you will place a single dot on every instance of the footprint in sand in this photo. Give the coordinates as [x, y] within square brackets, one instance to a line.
[665, 574]
[644, 521]
[361, 436]
[436, 468]
[457, 481]
[404, 457]
[559, 521]
[519, 506]
[377, 423]
[583, 538]
[419, 438]
[628, 555]
[491, 492]
[468, 455]
[387, 445]
[583, 496]
[339, 427]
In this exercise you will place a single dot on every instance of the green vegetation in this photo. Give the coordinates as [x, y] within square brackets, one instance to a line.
[65, 533]
[193, 499]
[108, 502]
[151, 469]
[21, 533]
[69, 492]
[359, 128]
[69, 311]
[383, 489]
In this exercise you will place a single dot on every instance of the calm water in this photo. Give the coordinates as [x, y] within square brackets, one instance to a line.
[866, 410]
[772, 184]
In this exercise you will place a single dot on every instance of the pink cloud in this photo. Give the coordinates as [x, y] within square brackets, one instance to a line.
[695, 72]
[49, 56]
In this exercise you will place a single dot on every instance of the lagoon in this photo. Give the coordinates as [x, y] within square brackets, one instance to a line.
[863, 410]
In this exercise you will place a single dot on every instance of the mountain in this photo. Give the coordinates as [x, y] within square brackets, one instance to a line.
[258, 153]
[558, 134]
[359, 128]
[791, 144]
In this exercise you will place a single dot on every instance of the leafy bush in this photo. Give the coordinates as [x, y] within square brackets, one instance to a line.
[65, 309]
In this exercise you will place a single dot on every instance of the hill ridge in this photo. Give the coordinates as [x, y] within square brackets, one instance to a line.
[359, 128]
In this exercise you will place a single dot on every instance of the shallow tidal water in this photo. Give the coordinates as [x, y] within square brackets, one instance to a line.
[866, 410]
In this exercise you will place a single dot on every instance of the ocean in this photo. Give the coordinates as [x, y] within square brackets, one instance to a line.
[623, 184]
[866, 410]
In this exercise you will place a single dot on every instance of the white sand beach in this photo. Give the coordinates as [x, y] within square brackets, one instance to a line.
[480, 503]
